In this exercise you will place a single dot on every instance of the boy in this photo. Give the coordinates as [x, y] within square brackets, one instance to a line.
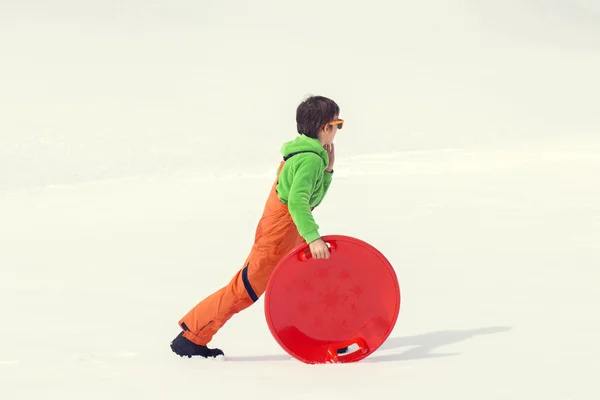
[303, 179]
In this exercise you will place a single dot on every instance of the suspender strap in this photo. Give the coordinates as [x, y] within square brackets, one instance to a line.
[285, 158]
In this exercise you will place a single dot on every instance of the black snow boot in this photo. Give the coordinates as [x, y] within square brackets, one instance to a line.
[185, 348]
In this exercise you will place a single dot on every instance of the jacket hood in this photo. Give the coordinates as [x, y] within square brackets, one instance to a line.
[305, 143]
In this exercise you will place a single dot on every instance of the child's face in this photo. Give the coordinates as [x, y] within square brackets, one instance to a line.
[328, 132]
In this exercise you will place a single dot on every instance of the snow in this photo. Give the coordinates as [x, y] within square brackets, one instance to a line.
[138, 143]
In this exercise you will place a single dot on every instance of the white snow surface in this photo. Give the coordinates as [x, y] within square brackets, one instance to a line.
[139, 140]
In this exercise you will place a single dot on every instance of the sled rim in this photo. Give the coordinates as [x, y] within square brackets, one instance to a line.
[302, 247]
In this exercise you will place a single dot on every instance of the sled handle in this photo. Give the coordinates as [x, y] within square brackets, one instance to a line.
[306, 254]
[334, 357]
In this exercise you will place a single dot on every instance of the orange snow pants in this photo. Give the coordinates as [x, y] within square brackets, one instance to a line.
[276, 234]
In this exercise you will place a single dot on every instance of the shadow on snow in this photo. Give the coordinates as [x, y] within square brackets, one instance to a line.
[421, 346]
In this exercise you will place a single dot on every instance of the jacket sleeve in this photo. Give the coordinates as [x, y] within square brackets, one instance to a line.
[327, 177]
[303, 185]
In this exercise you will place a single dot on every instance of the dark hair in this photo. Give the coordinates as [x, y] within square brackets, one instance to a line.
[313, 113]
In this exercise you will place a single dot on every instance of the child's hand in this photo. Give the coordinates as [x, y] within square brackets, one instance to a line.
[319, 249]
[331, 153]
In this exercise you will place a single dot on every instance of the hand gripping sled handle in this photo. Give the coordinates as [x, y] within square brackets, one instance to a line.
[306, 254]
[334, 357]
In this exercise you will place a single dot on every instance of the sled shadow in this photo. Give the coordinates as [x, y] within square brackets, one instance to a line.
[421, 346]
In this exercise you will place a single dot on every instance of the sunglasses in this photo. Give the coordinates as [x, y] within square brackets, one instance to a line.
[338, 122]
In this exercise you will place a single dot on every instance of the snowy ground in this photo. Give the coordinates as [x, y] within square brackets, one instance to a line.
[496, 252]
[138, 144]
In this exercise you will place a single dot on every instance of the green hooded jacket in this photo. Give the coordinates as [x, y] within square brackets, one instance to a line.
[303, 183]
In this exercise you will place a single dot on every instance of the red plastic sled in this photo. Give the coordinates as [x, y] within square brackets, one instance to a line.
[314, 307]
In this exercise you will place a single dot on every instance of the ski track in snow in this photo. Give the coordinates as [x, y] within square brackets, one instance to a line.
[393, 163]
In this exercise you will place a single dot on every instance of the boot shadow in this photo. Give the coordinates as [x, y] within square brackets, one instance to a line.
[269, 357]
